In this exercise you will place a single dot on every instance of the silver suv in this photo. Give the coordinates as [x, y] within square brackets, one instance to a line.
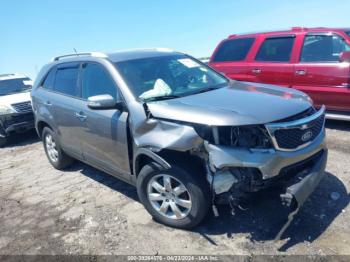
[186, 136]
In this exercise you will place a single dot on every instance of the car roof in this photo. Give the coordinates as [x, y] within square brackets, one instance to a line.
[139, 54]
[11, 76]
[114, 57]
[292, 30]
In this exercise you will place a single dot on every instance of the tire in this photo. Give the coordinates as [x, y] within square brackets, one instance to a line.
[3, 141]
[197, 193]
[56, 157]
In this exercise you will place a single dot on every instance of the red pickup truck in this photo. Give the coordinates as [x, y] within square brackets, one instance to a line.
[313, 60]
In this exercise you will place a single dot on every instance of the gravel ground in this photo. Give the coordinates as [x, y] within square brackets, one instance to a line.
[85, 211]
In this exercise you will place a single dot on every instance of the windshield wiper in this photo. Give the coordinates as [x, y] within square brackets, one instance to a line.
[204, 90]
[159, 98]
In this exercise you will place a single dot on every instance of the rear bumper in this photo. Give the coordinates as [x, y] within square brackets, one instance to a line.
[15, 123]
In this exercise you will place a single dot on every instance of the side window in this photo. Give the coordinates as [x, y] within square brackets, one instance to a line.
[49, 80]
[276, 49]
[66, 81]
[323, 48]
[233, 50]
[96, 81]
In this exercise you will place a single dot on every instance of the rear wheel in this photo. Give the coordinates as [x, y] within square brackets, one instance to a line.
[173, 196]
[3, 141]
[54, 152]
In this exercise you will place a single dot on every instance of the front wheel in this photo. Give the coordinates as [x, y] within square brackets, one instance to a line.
[173, 196]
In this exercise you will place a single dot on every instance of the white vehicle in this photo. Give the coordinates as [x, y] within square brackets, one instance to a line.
[16, 114]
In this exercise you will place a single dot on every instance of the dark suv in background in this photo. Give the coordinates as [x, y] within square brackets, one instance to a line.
[187, 137]
[313, 60]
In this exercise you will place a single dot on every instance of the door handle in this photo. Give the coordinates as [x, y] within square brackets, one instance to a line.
[48, 103]
[256, 71]
[301, 72]
[81, 116]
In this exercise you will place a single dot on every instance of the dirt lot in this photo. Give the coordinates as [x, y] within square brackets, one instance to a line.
[84, 211]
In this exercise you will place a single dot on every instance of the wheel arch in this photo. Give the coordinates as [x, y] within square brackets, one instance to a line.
[143, 156]
[40, 127]
[167, 158]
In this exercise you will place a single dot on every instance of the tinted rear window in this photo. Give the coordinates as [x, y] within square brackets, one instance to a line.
[277, 49]
[233, 50]
[66, 81]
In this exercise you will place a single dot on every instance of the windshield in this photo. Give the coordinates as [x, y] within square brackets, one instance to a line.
[168, 77]
[17, 85]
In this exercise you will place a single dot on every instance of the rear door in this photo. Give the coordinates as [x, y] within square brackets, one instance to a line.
[230, 58]
[104, 141]
[319, 72]
[67, 104]
[273, 61]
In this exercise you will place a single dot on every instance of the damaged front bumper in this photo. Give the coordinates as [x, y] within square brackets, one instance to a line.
[237, 172]
[15, 123]
[269, 162]
[297, 193]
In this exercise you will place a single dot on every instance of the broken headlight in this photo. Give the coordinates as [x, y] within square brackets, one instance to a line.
[236, 136]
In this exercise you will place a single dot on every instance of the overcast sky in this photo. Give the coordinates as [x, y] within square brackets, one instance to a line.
[32, 32]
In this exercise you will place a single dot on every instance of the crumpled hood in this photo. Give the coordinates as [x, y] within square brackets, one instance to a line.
[15, 98]
[239, 103]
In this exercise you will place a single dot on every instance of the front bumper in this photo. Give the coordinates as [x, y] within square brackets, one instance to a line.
[299, 191]
[300, 171]
[15, 123]
[268, 162]
[302, 186]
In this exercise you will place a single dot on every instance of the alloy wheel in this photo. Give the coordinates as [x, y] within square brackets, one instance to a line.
[169, 197]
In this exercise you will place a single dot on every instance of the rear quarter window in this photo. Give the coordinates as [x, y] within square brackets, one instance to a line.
[233, 50]
[49, 80]
[323, 48]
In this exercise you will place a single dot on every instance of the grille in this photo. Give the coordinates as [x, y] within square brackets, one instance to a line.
[24, 107]
[296, 137]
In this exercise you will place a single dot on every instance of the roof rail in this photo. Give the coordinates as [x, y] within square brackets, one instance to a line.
[94, 54]
[5, 75]
[299, 28]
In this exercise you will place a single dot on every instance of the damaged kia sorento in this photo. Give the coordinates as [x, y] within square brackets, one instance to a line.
[186, 136]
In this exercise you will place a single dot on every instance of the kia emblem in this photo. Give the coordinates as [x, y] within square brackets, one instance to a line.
[307, 136]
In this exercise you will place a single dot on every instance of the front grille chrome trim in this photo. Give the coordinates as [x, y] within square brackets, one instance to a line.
[302, 124]
[23, 107]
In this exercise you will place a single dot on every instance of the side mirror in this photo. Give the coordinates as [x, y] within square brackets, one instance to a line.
[345, 57]
[106, 101]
